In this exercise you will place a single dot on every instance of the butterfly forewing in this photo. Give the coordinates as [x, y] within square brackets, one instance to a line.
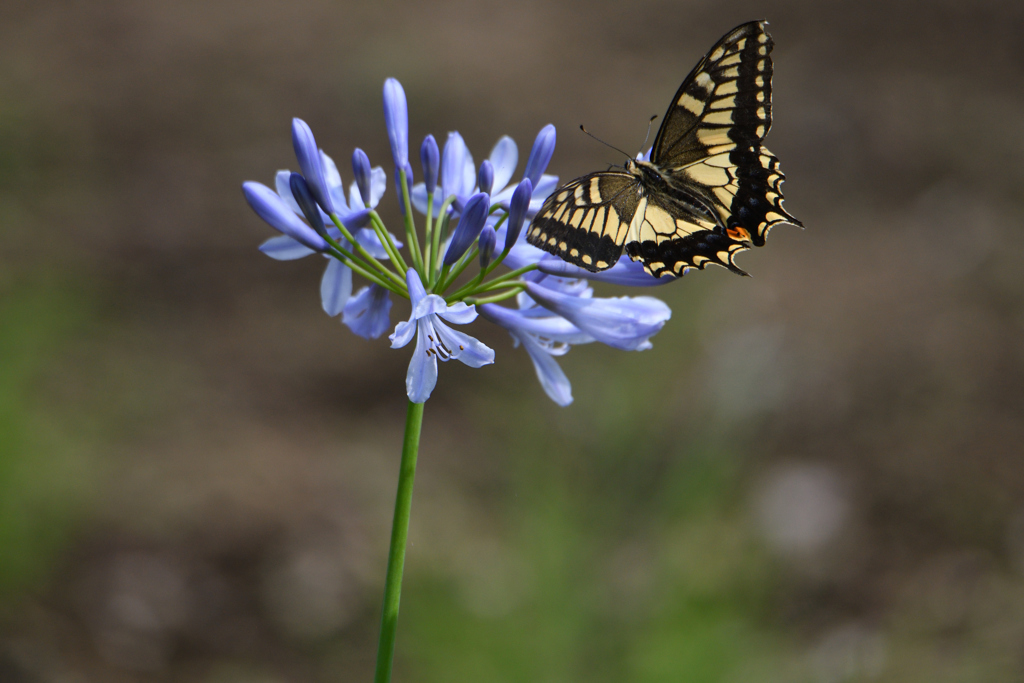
[724, 102]
[585, 222]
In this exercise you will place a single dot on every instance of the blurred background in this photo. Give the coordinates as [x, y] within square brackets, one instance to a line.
[815, 474]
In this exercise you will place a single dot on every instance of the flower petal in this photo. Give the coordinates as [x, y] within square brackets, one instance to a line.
[453, 163]
[335, 287]
[553, 380]
[459, 313]
[284, 248]
[335, 186]
[464, 348]
[415, 285]
[355, 219]
[282, 183]
[504, 157]
[429, 304]
[367, 237]
[422, 376]
[552, 327]
[378, 183]
[624, 323]
[541, 191]
[368, 312]
[403, 334]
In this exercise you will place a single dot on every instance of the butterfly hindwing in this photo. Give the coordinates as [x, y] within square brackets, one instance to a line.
[677, 232]
[585, 221]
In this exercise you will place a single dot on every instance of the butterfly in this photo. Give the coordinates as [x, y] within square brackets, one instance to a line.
[709, 190]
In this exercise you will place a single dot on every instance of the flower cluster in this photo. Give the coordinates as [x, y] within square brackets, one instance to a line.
[473, 215]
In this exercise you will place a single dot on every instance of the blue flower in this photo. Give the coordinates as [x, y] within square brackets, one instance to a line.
[459, 177]
[625, 323]
[336, 285]
[368, 313]
[434, 339]
[544, 336]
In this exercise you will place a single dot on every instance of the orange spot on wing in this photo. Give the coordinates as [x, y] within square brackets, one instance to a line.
[739, 234]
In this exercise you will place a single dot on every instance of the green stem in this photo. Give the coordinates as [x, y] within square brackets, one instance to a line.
[440, 232]
[380, 267]
[502, 280]
[361, 267]
[428, 241]
[410, 227]
[448, 277]
[385, 240]
[399, 538]
[369, 275]
[516, 288]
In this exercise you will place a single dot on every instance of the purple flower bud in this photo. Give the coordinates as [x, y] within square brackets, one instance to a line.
[540, 155]
[431, 158]
[396, 118]
[487, 240]
[304, 198]
[310, 164]
[485, 178]
[269, 206]
[517, 212]
[361, 169]
[473, 216]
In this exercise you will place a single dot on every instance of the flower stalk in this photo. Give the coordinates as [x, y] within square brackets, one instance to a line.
[399, 540]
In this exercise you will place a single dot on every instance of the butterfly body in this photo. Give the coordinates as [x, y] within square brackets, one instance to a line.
[709, 190]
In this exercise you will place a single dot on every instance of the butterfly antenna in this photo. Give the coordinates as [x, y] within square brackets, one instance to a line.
[648, 136]
[605, 143]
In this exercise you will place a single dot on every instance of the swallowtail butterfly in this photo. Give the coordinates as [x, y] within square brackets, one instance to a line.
[709, 191]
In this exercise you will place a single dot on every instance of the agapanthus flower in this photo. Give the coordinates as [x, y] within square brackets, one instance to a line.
[548, 306]
[434, 339]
